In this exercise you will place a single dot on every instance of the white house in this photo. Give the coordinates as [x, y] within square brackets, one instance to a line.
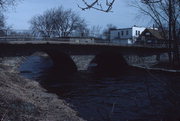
[125, 35]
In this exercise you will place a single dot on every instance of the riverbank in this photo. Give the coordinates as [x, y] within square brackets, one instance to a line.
[11, 64]
[135, 96]
[151, 63]
[25, 100]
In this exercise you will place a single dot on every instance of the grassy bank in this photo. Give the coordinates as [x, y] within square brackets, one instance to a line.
[24, 100]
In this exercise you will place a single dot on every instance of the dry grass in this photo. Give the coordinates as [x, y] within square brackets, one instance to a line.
[24, 100]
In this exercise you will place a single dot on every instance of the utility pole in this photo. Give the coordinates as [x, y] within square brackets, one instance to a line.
[173, 44]
[170, 31]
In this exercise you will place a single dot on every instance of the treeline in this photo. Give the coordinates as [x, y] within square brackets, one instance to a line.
[4, 4]
[58, 22]
[164, 13]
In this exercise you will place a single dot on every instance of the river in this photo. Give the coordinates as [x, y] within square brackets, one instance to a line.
[136, 96]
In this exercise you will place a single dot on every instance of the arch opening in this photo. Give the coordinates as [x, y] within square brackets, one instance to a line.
[58, 62]
[108, 64]
[62, 62]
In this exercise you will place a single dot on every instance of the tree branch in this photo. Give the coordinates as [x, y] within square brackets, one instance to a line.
[97, 5]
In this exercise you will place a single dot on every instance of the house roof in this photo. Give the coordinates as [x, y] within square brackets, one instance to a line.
[114, 29]
[120, 29]
[155, 33]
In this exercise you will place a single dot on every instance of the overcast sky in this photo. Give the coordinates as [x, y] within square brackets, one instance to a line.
[122, 16]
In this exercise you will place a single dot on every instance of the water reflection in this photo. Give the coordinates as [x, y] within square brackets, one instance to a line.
[133, 96]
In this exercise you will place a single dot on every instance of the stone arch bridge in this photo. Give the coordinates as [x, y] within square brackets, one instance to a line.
[60, 52]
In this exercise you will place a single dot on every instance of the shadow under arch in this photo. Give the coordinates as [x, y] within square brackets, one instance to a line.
[62, 62]
[108, 64]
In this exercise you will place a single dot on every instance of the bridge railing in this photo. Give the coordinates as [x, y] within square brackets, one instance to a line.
[80, 41]
[153, 45]
[14, 38]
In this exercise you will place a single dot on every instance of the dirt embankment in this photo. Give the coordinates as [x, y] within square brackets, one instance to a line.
[24, 100]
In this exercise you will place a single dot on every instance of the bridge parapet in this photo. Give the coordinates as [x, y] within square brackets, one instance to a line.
[15, 48]
[39, 40]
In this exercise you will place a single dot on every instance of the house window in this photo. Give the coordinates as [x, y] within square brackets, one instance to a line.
[147, 33]
[118, 34]
[122, 33]
[127, 32]
[136, 32]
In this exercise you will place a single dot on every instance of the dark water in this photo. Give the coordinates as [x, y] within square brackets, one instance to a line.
[135, 96]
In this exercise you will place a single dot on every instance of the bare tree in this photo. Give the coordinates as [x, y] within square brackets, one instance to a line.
[6, 3]
[101, 5]
[95, 31]
[2, 21]
[165, 14]
[162, 12]
[67, 21]
[43, 24]
[57, 22]
[105, 5]
[106, 31]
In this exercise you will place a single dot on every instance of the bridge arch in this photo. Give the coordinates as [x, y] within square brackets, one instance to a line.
[108, 64]
[62, 62]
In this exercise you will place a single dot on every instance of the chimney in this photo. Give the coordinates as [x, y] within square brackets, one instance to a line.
[153, 27]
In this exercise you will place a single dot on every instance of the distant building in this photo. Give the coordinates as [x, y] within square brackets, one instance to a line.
[80, 39]
[125, 35]
[78, 34]
[150, 36]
